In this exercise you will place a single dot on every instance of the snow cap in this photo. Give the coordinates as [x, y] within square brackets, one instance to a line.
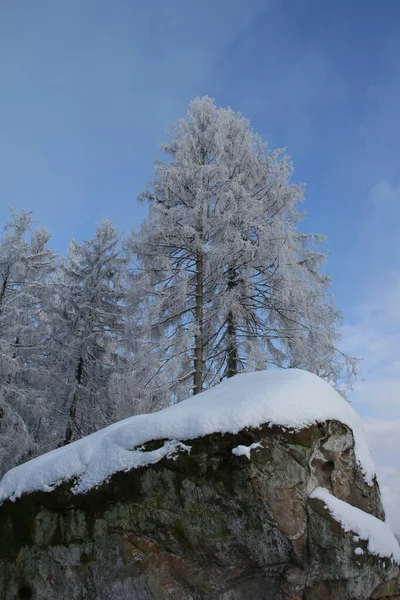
[291, 398]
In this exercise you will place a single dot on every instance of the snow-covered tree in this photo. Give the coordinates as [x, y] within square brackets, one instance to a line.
[226, 281]
[25, 264]
[87, 330]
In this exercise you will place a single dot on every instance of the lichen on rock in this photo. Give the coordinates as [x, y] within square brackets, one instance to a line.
[208, 524]
[204, 522]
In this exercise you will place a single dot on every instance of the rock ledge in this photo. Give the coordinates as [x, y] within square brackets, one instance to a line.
[205, 524]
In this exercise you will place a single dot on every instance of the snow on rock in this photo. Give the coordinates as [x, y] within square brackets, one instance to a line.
[380, 537]
[245, 450]
[358, 551]
[292, 398]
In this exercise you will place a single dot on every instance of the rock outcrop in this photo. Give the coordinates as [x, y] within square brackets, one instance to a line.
[203, 524]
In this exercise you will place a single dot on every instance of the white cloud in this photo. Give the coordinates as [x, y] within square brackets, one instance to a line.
[380, 230]
[385, 193]
[384, 438]
[375, 336]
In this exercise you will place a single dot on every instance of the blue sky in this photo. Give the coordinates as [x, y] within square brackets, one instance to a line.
[89, 88]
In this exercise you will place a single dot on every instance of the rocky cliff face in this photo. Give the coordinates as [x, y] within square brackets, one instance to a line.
[205, 524]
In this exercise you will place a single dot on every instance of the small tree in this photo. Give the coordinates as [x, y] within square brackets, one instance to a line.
[225, 281]
[25, 264]
[88, 329]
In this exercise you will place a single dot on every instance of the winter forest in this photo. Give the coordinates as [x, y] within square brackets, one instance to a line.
[219, 279]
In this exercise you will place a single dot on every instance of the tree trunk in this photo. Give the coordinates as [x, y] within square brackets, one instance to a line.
[198, 346]
[232, 349]
[72, 409]
[3, 288]
[71, 420]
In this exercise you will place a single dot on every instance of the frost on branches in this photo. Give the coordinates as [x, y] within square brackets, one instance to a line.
[221, 282]
[25, 264]
[88, 330]
[225, 281]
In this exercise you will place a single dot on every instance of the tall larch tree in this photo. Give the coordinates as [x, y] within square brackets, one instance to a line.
[226, 281]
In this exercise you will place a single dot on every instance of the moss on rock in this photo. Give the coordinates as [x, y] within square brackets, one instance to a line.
[206, 524]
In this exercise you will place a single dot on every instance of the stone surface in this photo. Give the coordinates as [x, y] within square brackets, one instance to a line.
[206, 525]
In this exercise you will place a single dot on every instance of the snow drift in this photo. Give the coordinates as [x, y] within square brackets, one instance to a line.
[291, 398]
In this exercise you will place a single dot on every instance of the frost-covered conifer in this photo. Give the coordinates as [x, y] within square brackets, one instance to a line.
[88, 329]
[25, 264]
[226, 281]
